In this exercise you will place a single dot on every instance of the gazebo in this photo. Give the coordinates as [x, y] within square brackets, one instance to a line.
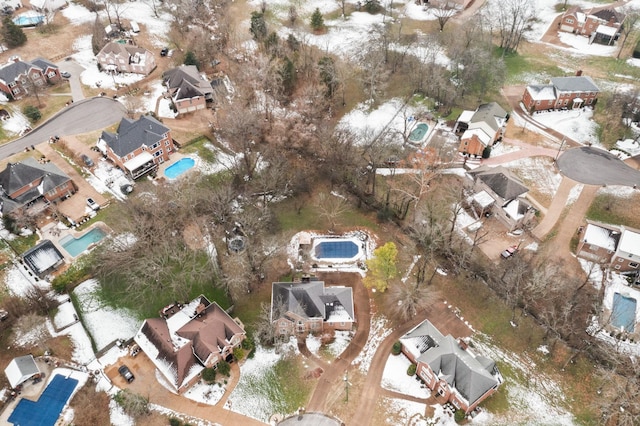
[21, 369]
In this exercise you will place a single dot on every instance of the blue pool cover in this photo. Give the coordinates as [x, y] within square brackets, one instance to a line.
[46, 411]
[336, 250]
[624, 312]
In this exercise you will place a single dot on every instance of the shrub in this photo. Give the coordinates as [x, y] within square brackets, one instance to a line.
[238, 353]
[486, 153]
[77, 273]
[32, 113]
[397, 348]
[411, 371]
[224, 368]
[174, 422]
[133, 404]
[209, 375]
[249, 345]
[317, 21]
[190, 59]
[459, 416]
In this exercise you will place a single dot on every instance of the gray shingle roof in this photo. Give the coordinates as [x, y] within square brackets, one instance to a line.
[10, 72]
[186, 81]
[574, 84]
[43, 257]
[490, 113]
[311, 299]
[501, 181]
[43, 64]
[132, 134]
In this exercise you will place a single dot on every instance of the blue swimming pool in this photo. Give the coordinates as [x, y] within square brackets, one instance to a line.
[418, 134]
[336, 250]
[75, 246]
[30, 20]
[178, 168]
[624, 312]
[46, 410]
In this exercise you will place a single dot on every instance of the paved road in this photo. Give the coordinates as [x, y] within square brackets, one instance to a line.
[80, 117]
[594, 166]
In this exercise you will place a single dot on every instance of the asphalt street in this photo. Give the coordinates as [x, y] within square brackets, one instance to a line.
[80, 117]
[595, 166]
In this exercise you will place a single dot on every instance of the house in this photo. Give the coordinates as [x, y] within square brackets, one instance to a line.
[498, 191]
[138, 146]
[48, 5]
[481, 128]
[19, 78]
[601, 25]
[31, 185]
[561, 93]
[188, 338]
[310, 307]
[598, 242]
[447, 367]
[454, 4]
[118, 57]
[627, 255]
[188, 89]
[43, 258]
[21, 369]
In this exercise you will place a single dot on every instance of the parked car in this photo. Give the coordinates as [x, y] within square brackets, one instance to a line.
[65, 74]
[135, 350]
[92, 204]
[126, 373]
[510, 251]
[164, 51]
[87, 160]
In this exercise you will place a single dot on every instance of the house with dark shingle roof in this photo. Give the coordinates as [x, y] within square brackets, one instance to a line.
[138, 146]
[310, 307]
[25, 184]
[17, 77]
[447, 367]
[188, 89]
[188, 338]
[118, 57]
[498, 191]
[482, 128]
[600, 24]
[561, 93]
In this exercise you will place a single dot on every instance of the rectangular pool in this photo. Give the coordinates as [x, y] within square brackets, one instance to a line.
[75, 246]
[336, 250]
[47, 409]
[624, 312]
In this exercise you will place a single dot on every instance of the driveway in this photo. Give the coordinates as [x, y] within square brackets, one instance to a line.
[594, 166]
[80, 117]
[75, 70]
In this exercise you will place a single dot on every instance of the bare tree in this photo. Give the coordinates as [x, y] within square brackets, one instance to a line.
[511, 18]
[443, 12]
[630, 24]
[331, 207]
[408, 298]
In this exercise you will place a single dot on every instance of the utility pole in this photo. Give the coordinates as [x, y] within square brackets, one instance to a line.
[346, 384]
[560, 149]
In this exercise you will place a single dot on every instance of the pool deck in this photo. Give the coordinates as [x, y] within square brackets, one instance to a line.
[54, 232]
[29, 391]
[175, 157]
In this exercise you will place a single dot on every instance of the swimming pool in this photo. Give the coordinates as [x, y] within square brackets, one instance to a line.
[624, 312]
[46, 410]
[418, 134]
[75, 246]
[179, 167]
[343, 249]
[28, 20]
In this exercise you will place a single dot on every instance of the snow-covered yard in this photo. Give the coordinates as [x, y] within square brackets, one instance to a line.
[576, 124]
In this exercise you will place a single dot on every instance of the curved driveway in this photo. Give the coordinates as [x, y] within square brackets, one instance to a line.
[594, 166]
[80, 117]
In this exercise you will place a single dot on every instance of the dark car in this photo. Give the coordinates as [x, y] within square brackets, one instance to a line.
[126, 373]
[164, 51]
[87, 160]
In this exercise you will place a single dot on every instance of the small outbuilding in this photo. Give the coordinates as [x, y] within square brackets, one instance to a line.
[21, 369]
[43, 259]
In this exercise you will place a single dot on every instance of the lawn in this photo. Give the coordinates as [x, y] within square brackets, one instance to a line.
[197, 146]
[609, 208]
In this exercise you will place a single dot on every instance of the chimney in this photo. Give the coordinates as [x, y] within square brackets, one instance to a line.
[578, 73]
[14, 59]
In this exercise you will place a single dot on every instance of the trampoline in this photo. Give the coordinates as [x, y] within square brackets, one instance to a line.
[46, 410]
[336, 250]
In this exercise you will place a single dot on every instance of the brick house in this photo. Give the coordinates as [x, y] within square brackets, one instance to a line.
[188, 338]
[601, 25]
[455, 4]
[188, 89]
[310, 307]
[498, 191]
[447, 367]
[627, 255]
[117, 57]
[482, 128]
[561, 93]
[31, 185]
[617, 246]
[17, 77]
[138, 146]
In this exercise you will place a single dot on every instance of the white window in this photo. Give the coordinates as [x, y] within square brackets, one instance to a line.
[633, 265]
[155, 145]
[157, 153]
[569, 21]
[620, 260]
[51, 74]
[167, 143]
[617, 267]
[12, 84]
[589, 101]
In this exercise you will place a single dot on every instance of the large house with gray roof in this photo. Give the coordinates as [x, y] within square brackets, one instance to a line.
[561, 93]
[18, 78]
[188, 89]
[614, 245]
[187, 338]
[499, 192]
[117, 57]
[139, 146]
[447, 367]
[310, 307]
[32, 185]
[482, 128]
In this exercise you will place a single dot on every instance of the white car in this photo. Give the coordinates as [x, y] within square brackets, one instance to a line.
[92, 204]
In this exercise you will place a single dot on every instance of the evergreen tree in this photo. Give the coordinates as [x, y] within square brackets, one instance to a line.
[190, 58]
[288, 76]
[258, 26]
[317, 21]
[12, 35]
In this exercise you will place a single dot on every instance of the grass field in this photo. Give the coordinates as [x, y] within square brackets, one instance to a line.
[608, 208]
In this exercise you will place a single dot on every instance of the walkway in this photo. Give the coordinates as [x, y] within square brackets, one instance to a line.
[556, 208]
[526, 150]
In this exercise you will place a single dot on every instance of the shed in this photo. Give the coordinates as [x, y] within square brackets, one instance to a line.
[21, 369]
[134, 27]
[43, 258]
